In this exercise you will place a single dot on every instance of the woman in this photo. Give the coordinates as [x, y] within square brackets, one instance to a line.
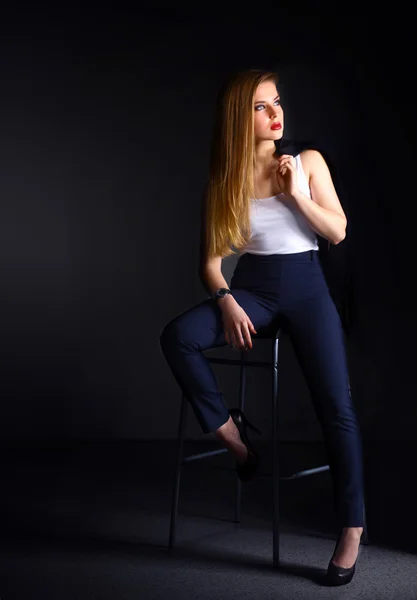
[269, 207]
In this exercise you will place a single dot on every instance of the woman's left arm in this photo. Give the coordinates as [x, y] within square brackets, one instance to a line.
[325, 214]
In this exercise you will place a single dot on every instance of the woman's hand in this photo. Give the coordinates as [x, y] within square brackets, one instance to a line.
[287, 175]
[236, 324]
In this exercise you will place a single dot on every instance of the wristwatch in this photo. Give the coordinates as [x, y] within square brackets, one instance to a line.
[221, 293]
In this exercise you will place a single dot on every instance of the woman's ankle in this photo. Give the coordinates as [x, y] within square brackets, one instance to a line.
[229, 435]
[353, 531]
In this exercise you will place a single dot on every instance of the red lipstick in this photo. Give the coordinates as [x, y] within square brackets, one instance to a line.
[276, 126]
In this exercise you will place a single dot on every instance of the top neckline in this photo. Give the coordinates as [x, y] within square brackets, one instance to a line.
[269, 197]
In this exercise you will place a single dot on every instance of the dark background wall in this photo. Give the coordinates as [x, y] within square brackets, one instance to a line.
[105, 128]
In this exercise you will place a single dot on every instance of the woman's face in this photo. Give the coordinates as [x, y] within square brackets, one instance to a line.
[268, 112]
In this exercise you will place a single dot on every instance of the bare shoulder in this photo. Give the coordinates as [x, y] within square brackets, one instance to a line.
[313, 162]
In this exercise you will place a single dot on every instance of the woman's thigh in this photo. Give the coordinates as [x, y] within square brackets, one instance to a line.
[317, 336]
[201, 326]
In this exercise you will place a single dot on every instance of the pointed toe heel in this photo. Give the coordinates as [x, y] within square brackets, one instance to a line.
[338, 575]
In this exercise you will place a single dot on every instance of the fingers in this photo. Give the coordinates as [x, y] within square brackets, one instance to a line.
[239, 335]
[285, 161]
[286, 158]
[247, 340]
[251, 326]
[242, 337]
[284, 167]
[236, 340]
[230, 340]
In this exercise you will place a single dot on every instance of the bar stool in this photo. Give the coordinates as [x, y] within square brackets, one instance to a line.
[273, 334]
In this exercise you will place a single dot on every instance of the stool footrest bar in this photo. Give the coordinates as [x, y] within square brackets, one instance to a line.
[203, 455]
[307, 472]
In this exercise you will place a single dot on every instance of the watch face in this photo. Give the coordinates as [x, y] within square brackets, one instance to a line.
[222, 292]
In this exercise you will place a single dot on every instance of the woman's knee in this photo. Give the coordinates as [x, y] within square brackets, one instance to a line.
[170, 333]
[181, 329]
[196, 327]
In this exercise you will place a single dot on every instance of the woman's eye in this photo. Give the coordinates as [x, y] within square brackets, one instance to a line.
[263, 105]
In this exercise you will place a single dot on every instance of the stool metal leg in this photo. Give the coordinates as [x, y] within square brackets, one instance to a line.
[242, 383]
[242, 390]
[275, 442]
[364, 537]
[175, 496]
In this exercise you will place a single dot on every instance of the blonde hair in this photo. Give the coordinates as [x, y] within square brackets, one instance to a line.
[230, 185]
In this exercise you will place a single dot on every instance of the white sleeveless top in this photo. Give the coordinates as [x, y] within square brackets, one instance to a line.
[277, 226]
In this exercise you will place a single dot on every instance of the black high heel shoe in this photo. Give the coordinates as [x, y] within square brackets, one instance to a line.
[247, 470]
[339, 575]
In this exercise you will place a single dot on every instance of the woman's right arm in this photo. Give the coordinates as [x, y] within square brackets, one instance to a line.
[210, 268]
[211, 275]
[237, 325]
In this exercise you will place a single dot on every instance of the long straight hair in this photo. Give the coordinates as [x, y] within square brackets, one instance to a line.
[225, 225]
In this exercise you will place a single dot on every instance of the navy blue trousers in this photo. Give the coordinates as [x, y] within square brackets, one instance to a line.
[289, 289]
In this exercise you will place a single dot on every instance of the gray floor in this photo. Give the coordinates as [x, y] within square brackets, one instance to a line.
[91, 520]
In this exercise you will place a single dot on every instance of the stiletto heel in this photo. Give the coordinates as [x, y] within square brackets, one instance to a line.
[247, 470]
